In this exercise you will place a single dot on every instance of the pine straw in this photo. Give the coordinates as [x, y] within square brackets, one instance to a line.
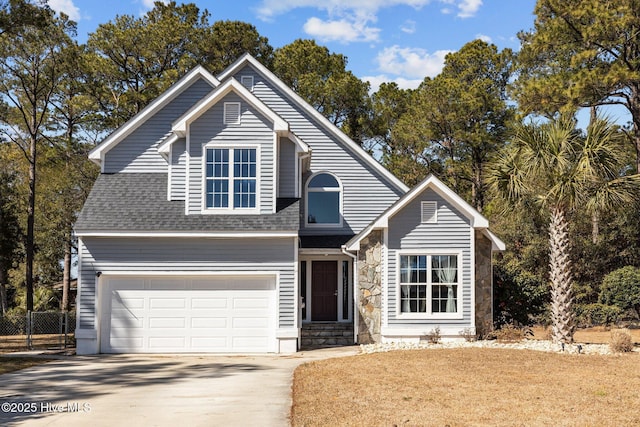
[469, 386]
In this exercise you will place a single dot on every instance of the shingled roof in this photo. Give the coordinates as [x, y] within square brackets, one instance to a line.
[137, 202]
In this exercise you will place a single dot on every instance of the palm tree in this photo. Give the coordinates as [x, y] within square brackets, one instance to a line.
[564, 170]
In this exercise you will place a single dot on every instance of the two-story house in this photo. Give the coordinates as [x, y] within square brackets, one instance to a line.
[229, 214]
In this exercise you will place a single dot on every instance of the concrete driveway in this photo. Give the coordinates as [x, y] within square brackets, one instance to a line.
[147, 390]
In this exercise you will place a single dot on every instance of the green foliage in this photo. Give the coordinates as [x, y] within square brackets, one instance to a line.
[321, 79]
[455, 122]
[519, 297]
[621, 288]
[588, 315]
[388, 104]
[581, 53]
[226, 41]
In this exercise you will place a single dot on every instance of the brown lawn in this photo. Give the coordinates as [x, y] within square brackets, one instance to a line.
[13, 343]
[10, 364]
[468, 386]
[595, 335]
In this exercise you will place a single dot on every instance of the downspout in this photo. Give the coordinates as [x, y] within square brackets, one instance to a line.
[354, 291]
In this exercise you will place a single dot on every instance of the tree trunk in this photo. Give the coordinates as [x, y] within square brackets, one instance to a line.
[562, 317]
[634, 108]
[4, 306]
[595, 227]
[30, 240]
[66, 274]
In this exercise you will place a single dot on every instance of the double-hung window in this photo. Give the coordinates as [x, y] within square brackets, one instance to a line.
[231, 178]
[429, 285]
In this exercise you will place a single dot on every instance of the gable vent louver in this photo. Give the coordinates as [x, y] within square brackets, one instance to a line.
[429, 212]
[247, 81]
[232, 113]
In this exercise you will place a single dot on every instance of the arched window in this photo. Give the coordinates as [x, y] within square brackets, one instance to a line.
[324, 200]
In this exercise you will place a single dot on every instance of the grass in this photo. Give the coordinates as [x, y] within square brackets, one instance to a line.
[468, 386]
[10, 364]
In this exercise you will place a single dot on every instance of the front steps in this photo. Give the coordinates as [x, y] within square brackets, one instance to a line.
[326, 334]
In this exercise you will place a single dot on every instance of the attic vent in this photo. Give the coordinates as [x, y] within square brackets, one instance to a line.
[247, 81]
[231, 113]
[429, 212]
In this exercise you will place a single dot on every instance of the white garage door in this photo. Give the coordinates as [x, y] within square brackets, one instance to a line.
[203, 314]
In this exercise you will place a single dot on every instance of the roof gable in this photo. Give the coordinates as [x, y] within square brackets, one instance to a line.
[312, 112]
[97, 154]
[476, 219]
[179, 127]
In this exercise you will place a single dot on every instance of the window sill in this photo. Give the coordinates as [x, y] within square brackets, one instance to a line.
[429, 316]
[223, 211]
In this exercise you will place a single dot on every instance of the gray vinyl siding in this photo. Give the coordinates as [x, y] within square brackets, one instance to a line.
[287, 168]
[156, 255]
[366, 192]
[178, 170]
[253, 130]
[451, 232]
[138, 151]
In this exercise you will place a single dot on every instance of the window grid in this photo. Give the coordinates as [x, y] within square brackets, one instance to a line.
[418, 287]
[218, 177]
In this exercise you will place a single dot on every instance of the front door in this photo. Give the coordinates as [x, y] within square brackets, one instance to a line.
[324, 291]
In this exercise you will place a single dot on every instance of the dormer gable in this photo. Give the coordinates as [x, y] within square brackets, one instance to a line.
[179, 127]
[322, 121]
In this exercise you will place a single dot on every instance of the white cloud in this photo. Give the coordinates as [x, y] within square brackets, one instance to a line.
[350, 20]
[484, 38]
[468, 8]
[341, 30]
[376, 81]
[408, 27]
[67, 7]
[411, 63]
[149, 3]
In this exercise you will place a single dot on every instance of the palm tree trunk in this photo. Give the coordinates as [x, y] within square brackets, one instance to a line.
[562, 317]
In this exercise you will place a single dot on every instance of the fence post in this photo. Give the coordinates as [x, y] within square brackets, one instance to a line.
[66, 327]
[28, 331]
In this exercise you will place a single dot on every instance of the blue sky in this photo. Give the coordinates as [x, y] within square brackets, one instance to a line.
[384, 40]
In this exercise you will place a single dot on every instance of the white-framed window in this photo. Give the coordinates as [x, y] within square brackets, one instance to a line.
[429, 285]
[231, 178]
[323, 201]
[231, 113]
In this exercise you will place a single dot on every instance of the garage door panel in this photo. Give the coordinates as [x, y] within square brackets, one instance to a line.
[221, 314]
[207, 303]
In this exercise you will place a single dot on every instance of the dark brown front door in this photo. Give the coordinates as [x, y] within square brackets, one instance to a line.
[324, 290]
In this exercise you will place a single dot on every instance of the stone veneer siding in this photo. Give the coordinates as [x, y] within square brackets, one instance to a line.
[484, 288]
[370, 288]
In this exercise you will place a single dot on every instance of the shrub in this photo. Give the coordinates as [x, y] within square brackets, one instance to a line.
[622, 289]
[512, 333]
[519, 296]
[621, 341]
[588, 315]
[434, 336]
[468, 334]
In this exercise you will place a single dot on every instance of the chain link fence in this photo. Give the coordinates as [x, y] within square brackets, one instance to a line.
[46, 330]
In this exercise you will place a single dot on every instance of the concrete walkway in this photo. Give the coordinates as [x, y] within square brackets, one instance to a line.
[162, 390]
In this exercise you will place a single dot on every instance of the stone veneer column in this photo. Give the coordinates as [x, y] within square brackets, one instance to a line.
[483, 285]
[370, 288]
